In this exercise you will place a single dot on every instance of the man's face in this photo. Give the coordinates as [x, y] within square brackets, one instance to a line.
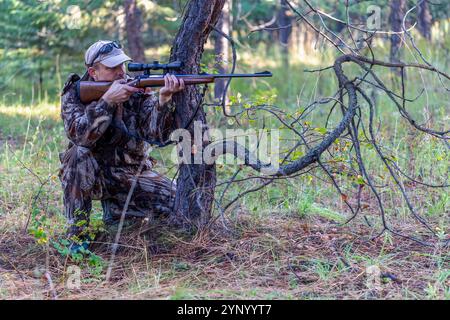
[101, 72]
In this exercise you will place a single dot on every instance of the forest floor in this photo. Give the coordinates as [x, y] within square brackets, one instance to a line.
[273, 258]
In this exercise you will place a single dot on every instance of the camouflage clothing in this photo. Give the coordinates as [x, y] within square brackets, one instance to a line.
[104, 154]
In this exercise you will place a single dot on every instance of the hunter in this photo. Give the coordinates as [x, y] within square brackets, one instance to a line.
[107, 144]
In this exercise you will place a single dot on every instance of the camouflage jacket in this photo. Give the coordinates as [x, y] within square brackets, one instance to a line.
[113, 134]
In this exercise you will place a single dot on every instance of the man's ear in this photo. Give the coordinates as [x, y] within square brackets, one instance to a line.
[92, 73]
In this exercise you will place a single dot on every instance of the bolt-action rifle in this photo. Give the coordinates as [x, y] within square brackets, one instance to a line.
[89, 91]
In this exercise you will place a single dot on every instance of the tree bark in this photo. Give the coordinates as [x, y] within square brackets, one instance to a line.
[396, 18]
[221, 49]
[284, 23]
[195, 182]
[133, 24]
[424, 20]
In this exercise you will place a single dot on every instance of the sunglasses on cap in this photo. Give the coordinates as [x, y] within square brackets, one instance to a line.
[106, 48]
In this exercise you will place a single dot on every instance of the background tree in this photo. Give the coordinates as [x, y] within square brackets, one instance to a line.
[424, 19]
[221, 49]
[398, 10]
[284, 30]
[133, 22]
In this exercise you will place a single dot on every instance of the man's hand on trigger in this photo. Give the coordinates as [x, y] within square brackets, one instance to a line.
[171, 85]
[119, 92]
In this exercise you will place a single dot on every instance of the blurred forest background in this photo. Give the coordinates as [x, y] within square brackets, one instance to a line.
[41, 42]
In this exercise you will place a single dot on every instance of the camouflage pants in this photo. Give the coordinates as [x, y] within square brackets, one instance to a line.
[83, 180]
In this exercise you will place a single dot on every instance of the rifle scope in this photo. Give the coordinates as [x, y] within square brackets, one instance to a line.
[133, 67]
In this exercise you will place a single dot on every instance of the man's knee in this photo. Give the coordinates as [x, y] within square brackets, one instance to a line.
[80, 174]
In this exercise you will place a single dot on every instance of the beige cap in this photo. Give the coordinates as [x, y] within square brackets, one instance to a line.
[111, 59]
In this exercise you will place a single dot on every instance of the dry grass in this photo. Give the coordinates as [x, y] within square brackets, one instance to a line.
[273, 258]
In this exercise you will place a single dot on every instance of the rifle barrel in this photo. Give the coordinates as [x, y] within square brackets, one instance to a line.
[243, 75]
[225, 75]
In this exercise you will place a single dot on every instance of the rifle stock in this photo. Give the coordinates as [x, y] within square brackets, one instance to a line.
[89, 91]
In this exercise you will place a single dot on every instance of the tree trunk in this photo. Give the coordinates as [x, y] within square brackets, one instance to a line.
[195, 182]
[221, 50]
[424, 20]
[396, 18]
[284, 23]
[133, 24]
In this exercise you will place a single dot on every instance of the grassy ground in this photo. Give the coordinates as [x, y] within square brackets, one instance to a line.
[284, 242]
[287, 257]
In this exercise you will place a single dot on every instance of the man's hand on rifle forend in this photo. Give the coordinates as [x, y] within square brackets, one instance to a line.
[119, 92]
[171, 85]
